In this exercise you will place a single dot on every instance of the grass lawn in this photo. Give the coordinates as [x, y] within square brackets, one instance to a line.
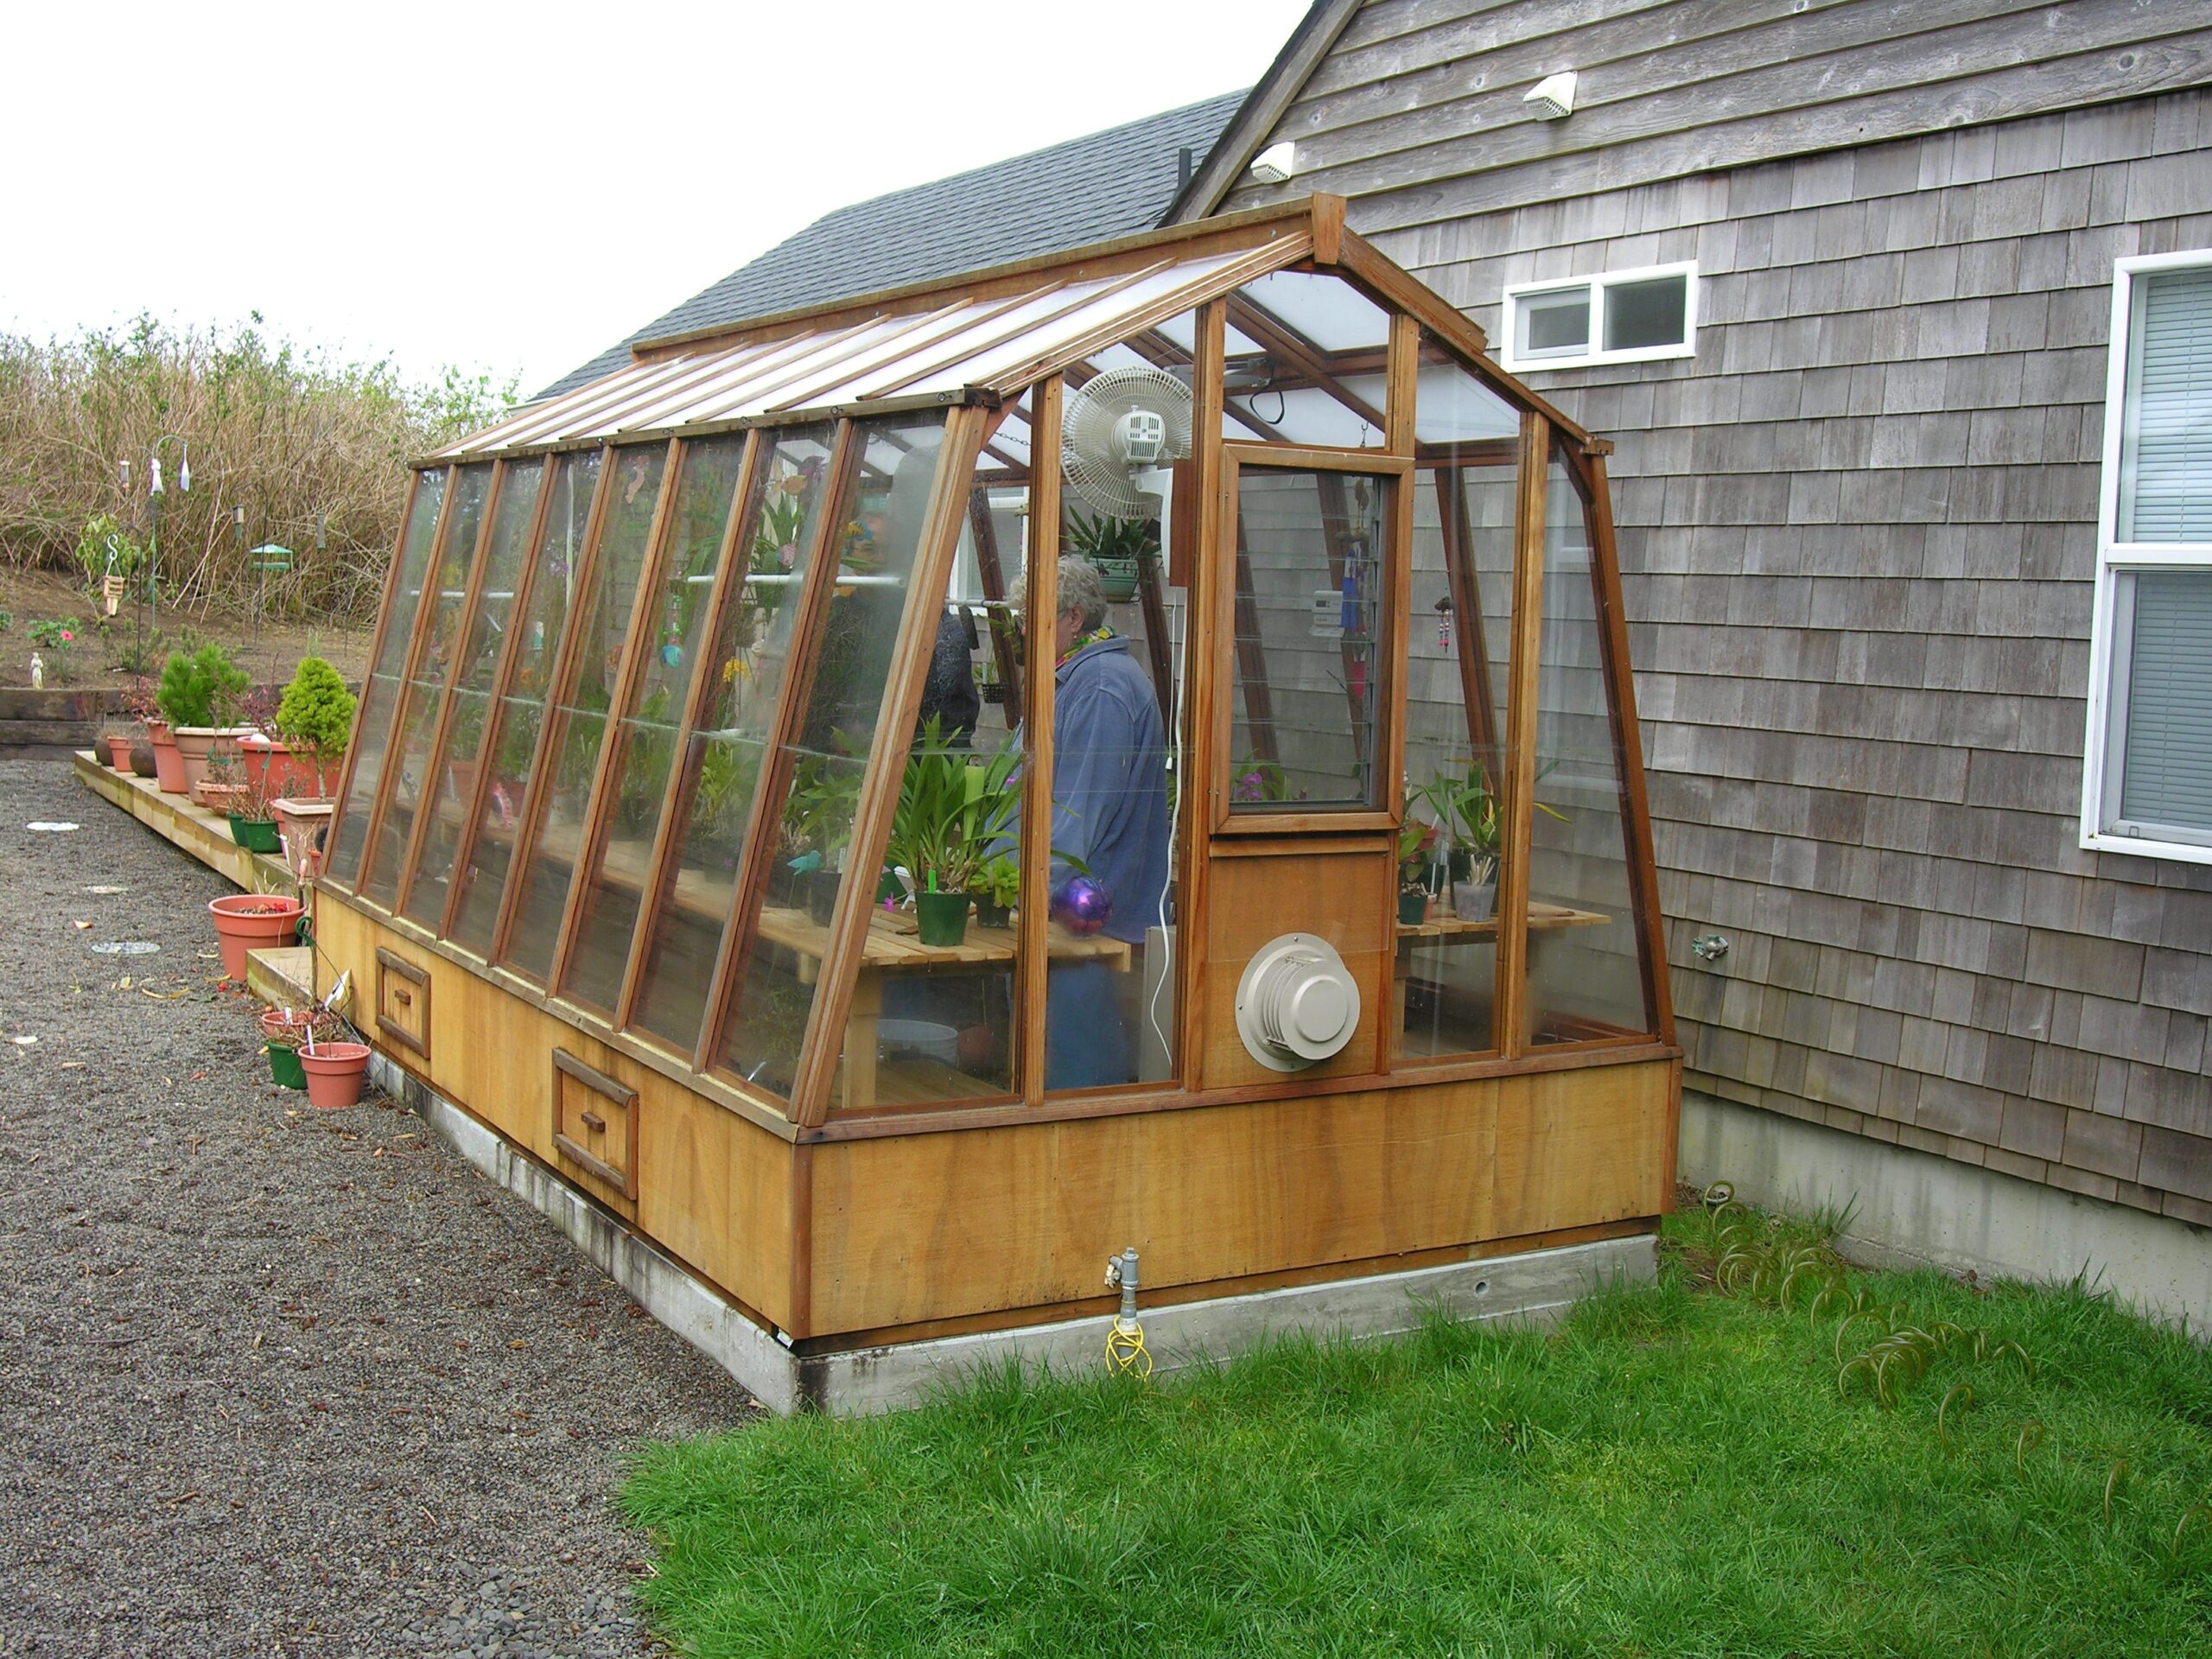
[1673, 1471]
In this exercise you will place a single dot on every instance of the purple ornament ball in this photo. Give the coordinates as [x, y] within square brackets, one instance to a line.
[1081, 905]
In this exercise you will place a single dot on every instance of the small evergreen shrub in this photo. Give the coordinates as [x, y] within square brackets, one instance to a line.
[201, 688]
[316, 712]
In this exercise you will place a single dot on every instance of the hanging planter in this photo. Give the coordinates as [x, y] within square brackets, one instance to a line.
[252, 921]
[334, 1073]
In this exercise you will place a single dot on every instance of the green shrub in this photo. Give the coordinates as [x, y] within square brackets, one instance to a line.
[317, 710]
[202, 689]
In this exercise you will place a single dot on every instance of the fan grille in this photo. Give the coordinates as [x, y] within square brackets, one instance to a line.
[1089, 459]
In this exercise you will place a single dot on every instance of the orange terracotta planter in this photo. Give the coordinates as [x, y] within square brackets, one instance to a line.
[335, 1072]
[252, 921]
[168, 760]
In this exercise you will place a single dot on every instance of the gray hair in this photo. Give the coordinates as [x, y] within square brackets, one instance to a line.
[1080, 590]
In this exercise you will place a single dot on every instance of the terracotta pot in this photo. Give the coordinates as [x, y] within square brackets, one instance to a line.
[142, 759]
[118, 753]
[280, 769]
[252, 921]
[220, 797]
[335, 1071]
[286, 1025]
[169, 761]
[300, 828]
[194, 743]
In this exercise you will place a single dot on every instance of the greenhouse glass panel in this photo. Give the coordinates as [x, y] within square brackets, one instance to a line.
[1450, 850]
[514, 719]
[423, 694]
[1310, 634]
[815, 781]
[576, 719]
[1303, 363]
[671, 629]
[933, 1012]
[1585, 977]
[379, 694]
[750, 663]
[453, 778]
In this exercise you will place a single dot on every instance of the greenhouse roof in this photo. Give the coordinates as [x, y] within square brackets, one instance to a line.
[978, 337]
[1104, 184]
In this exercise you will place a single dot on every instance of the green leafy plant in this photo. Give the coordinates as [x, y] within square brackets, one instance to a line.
[105, 548]
[1000, 880]
[202, 689]
[1106, 541]
[316, 714]
[951, 815]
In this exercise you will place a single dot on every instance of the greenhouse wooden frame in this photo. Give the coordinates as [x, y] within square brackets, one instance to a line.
[860, 1141]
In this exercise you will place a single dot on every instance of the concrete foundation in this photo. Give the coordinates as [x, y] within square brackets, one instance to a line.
[1911, 1209]
[1535, 1287]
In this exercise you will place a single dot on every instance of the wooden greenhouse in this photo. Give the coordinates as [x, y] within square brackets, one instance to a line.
[1329, 952]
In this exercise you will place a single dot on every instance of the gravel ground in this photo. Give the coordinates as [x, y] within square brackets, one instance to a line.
[275, 1381]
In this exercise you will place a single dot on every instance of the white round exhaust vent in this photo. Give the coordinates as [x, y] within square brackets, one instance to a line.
[1297, 1003]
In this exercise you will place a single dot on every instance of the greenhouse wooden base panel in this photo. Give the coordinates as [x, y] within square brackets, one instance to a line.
[926, 1232]
[1532, 1284]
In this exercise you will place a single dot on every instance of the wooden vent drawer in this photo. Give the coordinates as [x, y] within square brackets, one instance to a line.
[404, 1004]
[595, 1123]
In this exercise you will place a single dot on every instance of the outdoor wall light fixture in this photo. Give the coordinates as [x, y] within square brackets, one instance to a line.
[1551, 97]
[1711, 948]
[1274, 164]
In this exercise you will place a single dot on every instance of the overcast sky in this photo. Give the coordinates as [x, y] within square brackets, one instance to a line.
[513, 187]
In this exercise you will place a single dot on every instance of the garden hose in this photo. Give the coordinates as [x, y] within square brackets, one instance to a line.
[1126, 1354]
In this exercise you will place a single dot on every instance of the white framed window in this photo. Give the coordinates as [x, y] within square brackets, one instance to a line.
[1623, 316]
[2146, 784]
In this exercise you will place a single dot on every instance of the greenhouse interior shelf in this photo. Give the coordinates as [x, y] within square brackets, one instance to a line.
[891, 804]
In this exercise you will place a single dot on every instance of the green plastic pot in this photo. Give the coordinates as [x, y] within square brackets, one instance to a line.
[1413, 907]
[284, 1065]
[943, 917]
[256, 834]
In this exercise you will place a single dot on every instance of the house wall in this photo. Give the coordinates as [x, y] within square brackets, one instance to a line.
[1857, 528]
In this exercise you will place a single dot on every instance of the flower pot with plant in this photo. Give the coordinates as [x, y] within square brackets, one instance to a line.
[302, 828]
[284, 1031]
[334, 1071]
[1116, 548]
[253, 820]
[997, 889]
[1416, 852]
[252, 921]
[950, 817]
[315, 718]
[199, 694]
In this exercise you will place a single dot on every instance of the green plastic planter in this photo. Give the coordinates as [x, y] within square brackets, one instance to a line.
[284, 1065]
[942, 918]
[254, 835]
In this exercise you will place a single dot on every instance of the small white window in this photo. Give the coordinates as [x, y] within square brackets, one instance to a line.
[1625, 316]
[2148, 781]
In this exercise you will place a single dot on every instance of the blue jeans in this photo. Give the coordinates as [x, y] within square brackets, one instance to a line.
[1089, 1041]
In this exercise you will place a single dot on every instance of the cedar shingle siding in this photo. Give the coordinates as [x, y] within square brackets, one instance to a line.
[1858, 526]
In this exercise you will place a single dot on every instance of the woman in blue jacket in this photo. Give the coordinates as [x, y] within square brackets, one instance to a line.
[1109, 810]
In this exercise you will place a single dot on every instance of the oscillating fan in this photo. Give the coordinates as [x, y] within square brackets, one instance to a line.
[1118, 433]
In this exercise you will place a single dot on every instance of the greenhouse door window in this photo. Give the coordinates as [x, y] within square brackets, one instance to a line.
[1629, 317]
[2147, 783]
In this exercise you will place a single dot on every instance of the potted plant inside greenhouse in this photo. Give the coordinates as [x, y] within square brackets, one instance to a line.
[1116, 548]
[950, 817]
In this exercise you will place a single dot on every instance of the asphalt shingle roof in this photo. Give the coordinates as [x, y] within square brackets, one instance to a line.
[1111, 183]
